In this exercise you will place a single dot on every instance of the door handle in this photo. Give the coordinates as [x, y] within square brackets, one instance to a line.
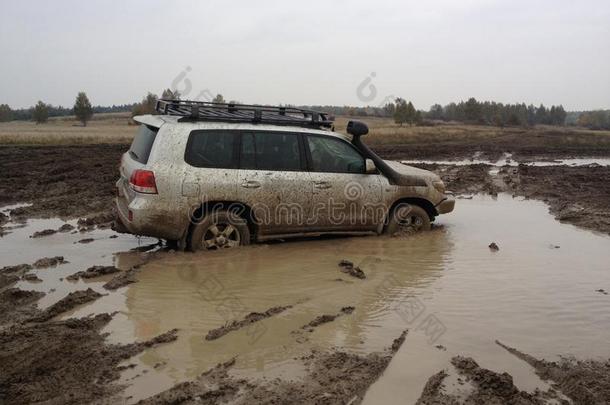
[323, 185]
[250, 184]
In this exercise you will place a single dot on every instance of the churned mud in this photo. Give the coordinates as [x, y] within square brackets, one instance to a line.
[332, 377]
[65, 181]
[487, 387]
[64, 362]
[583, 381]
[249, 319]
[17, 305]
[49, 262]
[322, 319]
[71, 301]
[123, 279]
[577, 195]
[93, 272]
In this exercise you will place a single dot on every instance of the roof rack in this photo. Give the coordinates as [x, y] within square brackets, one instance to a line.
[232, 112]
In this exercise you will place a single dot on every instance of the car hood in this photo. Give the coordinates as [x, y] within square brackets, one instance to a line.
[410, 173]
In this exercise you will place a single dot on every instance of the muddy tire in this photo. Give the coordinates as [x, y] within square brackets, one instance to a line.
[220, 230]
[407, 219]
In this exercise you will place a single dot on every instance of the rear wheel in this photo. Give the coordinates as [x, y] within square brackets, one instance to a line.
[408, 219]
[220, 230]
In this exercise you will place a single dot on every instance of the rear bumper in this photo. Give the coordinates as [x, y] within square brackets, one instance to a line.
[148, 215]
[446, 206]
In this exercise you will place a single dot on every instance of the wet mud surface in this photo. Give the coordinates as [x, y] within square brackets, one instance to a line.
[523, 143]
[333, 377]
[63, 362]
[76, 345]
[60, 181]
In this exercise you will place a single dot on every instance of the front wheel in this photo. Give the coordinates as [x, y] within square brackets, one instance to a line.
[220, 230]
[408, 219]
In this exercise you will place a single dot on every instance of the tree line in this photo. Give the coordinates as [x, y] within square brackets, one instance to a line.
[402, 111]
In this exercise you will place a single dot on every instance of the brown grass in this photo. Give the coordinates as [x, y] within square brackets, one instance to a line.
[103, 128]
[383, 131]
[115, 128]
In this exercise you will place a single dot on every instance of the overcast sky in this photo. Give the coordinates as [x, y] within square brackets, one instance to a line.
[310, 52]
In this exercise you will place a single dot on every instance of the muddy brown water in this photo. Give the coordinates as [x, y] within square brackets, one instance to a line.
[537, 293]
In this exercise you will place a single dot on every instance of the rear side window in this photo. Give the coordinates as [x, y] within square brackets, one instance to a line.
[277, 151]
[142, 143]
[214, 149]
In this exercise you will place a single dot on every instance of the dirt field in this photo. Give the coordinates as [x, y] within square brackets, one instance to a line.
[69, 172]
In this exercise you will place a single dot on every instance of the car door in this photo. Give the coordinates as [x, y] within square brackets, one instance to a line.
[274, 182]
[345, 197]
[211, 173]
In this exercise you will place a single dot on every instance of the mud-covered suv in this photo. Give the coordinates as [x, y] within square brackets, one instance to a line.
[210, 176]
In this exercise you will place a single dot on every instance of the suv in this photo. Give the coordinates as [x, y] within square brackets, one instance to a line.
[215, 175]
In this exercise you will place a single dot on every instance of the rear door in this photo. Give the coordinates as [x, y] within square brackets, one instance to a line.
[274, 182]
[212, 159]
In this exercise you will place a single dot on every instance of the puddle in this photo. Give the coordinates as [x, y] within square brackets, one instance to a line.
[507, 160]
[16, 247]
[445, 286]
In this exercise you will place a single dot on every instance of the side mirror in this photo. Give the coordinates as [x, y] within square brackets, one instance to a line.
[370, 166]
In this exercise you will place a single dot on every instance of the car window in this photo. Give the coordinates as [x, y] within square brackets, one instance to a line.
[334, 155]
[142, 143]
[270, 151]
[214, 149]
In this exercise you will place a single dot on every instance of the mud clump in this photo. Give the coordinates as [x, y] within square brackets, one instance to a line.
[433, 391]
[12, 274]
[17, 305]
[322, 319]
[63, 362]
[249, 319]
[45, 232]
[493, 246]
[31, 277]
[92, 272]
[488, 387]
[397, 343]
[347, 267]
[123, 279]
[583, 381]
[65, 228]
[49, 262]
[67, 303]
[210, 388]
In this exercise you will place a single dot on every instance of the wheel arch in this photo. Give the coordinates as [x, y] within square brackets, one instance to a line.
[421, 202]
[242, 209]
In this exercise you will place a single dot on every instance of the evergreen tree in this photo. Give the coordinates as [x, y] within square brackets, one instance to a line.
[82, 108]
[6, 114]
[40, 112]
[400, 111]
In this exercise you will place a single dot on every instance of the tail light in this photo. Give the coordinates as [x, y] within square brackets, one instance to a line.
[143, 181]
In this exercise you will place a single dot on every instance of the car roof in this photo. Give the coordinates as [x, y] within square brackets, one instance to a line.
[158, 120]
